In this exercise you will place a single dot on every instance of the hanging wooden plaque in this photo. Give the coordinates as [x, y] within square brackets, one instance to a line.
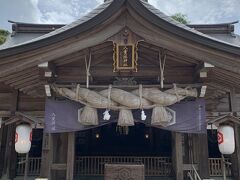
[125, 55]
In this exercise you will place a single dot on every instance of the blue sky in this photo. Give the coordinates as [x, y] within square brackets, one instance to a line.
[66, 11]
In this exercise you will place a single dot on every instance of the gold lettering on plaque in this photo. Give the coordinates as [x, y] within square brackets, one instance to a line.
[125, 51]
[125, 56]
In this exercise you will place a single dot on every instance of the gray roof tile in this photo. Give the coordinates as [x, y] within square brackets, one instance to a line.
[18, 41]
[78, 22]
[163, 16]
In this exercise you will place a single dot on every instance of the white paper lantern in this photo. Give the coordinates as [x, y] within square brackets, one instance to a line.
[23, 138]
[226, 141]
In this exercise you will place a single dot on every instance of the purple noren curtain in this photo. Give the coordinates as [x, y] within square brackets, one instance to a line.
[62, 116]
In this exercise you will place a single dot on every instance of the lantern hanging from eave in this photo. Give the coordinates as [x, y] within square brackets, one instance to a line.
[226, 140]
[23, 138]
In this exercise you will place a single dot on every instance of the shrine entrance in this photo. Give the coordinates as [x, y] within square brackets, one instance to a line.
[137, 145]
[130, 62]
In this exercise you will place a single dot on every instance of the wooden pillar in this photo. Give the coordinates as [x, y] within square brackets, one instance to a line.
[12, 161]
[177, 155]
[70, 155]
[59, 166]
[235, 158]
[200, 154]
[45, 160]
[11, 153]
[9, 159]
[8, 153]
[50, 157]
[61, 156]
[3, 147]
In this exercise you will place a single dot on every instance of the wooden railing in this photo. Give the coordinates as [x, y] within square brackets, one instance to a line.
[94, 165]
[215, 167]
[33, 166]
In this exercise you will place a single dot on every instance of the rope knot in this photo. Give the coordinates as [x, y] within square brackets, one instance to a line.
[176, 93]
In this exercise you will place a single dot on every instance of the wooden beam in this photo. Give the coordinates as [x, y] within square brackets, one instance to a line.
[21, 77]
[59, 166]
[80, 55]
[178, 56]
[218, 86]
[21, 74]
[24, 81]
[171, 56]
[69, 59]
[31, 113]
[71, 45]
[38, 93]
[106, 71]
[14, 102]
[28, 84]
[32, 86]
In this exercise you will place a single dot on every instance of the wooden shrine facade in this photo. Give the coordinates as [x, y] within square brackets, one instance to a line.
[155, 51]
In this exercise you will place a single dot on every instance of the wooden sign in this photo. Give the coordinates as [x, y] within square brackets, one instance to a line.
[125, 55]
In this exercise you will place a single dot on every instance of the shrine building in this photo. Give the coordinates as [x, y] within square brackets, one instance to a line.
[125, 92]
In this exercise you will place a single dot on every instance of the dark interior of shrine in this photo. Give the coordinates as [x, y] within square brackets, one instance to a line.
[109, 140]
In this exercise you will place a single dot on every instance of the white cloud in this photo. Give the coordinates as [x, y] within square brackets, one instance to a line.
[21, 10]
[63, 11]
[44, 11]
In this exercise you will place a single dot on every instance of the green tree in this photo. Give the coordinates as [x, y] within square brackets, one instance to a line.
[182, 18]
[3, 36]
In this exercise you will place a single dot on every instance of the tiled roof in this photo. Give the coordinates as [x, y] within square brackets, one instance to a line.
[162, 20]
[168, 19]
[65, 28]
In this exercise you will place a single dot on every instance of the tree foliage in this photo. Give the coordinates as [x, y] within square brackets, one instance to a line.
[3, 36]
[182, 18]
